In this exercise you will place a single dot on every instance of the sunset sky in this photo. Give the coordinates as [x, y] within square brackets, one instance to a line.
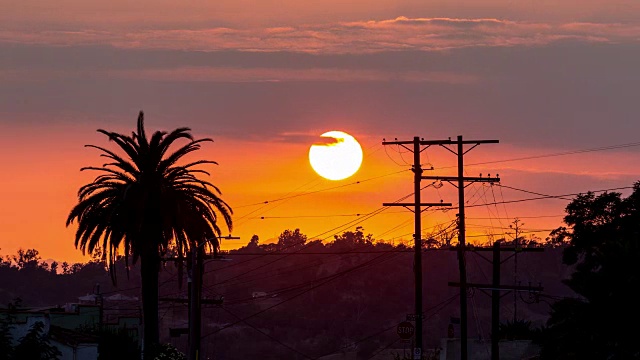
[265, 78]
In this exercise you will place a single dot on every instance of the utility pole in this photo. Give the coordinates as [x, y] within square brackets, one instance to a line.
[496, 287]
[516, 226]
[100, 301]
[195, 273]
[495, 303]
[195, 296]
[459, 182]
[417, 236]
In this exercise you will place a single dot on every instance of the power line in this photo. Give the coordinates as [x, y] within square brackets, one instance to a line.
[441, 305]
[278, 253]
[347, 224]
[299, 286]
[526, 191]
[279, 272]
[519, 217]
[435, 307]
[342, 253]
[521, 232]
[546, 197]
[321, 190]
[337, 275]
[267, 335]
[564, 153]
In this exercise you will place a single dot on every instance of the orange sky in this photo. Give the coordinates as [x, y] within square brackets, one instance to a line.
[266, 78]
[45, 177]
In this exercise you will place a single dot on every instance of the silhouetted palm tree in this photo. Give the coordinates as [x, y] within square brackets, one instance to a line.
[143, 201]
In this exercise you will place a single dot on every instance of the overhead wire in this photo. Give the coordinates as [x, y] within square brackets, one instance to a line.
[267, 335]
[279, 272]
[335, 276]
[300, 286]
[438, 306]
[551, 196]
[563, 153]
[287, 196]
[343, 226]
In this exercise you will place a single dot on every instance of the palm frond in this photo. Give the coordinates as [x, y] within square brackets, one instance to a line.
[143, 200]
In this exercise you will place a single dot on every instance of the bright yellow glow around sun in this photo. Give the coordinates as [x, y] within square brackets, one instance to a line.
[336, 160]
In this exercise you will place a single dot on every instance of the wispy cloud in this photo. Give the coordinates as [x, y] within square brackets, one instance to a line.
[400, 33]
[216, 74]
[240, 75]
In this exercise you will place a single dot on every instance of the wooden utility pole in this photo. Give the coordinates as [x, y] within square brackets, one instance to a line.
[495, 303]
[516, 226]
[496, 287]
[100, 301]
[459, 182]
[417, 236]
[195, 296]
[195, 273]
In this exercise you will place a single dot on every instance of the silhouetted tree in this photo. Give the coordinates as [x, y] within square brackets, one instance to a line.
[253, 246]
[28, 259]
[603, 243]
[254, 242]
[291, 240]
[5, 262]
[142, 201]
[54, 267]
[35, 345]
[351, 239]
[75, 268]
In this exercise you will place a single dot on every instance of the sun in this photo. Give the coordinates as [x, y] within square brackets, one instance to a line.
[338, 159]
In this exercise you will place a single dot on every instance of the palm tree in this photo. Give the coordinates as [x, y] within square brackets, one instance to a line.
[142, 202]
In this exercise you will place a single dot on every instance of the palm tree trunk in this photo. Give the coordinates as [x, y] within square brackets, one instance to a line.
[149, 264]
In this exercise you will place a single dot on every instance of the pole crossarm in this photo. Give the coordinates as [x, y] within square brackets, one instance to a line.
[501, 287]
[414, 204]
[440, 142]
[420, 205]
[467, 179]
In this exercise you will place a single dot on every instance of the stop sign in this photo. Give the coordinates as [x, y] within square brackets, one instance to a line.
[405, 330]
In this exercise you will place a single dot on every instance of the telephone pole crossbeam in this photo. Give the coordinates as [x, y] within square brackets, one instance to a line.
[440, 142]
[465, 179]
[414, 204]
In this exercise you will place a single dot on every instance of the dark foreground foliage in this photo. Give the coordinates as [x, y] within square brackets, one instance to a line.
[603, 237]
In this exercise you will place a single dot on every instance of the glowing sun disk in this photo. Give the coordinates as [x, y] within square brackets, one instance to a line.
[336, 160]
